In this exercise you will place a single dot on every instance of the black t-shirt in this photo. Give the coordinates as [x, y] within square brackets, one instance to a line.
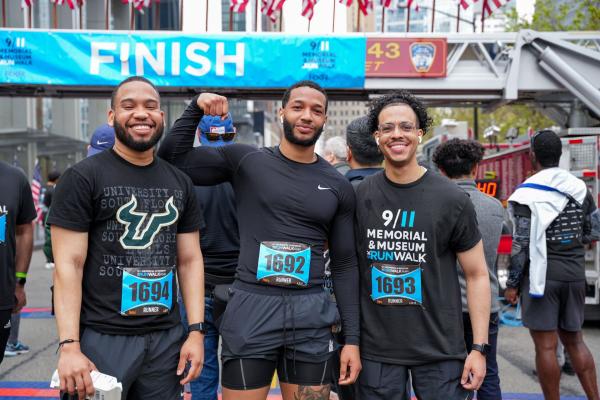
[220, 239]
[287, 212]
[132, 215]
[16, 208]
[408, 236]
[565, 239]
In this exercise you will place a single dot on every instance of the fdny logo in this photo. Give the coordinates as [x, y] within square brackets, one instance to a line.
[422, 55]
[140, 229]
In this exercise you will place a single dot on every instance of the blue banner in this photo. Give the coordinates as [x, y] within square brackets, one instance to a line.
[35, 57]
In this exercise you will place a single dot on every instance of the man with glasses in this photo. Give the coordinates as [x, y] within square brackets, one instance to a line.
[555, 208]
[412, 226]
[290, 204]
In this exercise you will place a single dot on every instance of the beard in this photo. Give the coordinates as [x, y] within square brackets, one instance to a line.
[133, 144]
[288, 131]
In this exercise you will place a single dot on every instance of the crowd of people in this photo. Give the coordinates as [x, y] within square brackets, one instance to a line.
[159, 253]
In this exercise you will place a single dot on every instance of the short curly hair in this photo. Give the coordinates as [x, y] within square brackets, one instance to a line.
[457, 157]
[395, 98]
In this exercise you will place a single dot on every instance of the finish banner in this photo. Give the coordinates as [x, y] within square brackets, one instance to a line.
[99, 58]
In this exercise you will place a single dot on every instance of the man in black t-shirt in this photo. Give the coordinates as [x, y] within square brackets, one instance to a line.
[16, 244]
[290, 203]
[412, 226]
[555, 207]
[124, 232]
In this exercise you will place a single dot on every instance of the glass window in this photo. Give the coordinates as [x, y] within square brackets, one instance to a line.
[163, 15]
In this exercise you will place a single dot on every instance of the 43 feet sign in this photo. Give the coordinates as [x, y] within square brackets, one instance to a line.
[406, 58]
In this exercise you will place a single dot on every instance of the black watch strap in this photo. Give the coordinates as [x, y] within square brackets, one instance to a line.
[200, 327]
[482, 348]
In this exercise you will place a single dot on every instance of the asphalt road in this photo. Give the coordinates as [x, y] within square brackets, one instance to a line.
[515, 349]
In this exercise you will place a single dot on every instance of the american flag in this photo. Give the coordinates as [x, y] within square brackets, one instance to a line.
[308, 8]
[409, 4]
[238, 5]
[270, 6]
[366, 6]
[488, 6]
[36, 188]
[138, 4]
[70, 3]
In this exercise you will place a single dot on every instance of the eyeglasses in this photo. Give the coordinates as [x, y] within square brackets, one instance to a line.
[388, 129]
[214, 136]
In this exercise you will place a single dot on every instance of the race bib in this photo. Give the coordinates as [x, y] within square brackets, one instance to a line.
[396, 284]
[146, 291]
[283, 264]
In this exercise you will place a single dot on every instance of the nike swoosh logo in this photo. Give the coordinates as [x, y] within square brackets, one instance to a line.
[323, 188]
[99, 143]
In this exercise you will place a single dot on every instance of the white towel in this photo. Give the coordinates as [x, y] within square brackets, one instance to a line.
[545, 207]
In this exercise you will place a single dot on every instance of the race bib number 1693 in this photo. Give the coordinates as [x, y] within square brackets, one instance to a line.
[398, 285]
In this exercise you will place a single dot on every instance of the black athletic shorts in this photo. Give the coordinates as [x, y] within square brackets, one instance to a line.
[432, 381]
[255, 373]
[275, 325]
[146, 365]
[561, 306]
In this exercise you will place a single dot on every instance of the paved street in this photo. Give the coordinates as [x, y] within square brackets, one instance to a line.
[26, 375]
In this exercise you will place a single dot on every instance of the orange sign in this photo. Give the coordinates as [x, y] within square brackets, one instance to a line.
[406, 57]
[488, 186]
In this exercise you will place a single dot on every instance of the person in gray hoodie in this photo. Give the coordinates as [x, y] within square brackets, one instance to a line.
[458, 159]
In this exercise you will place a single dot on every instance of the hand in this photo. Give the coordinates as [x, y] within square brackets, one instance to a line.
[21, 298]
[511, 295]
[192, 351]
[213, 104]
[74, 371]
[350, 364]
[474, 371]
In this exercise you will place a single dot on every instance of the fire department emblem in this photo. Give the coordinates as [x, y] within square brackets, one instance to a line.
[422, 55]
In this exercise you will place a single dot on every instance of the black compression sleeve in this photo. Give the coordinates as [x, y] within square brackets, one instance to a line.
[344, 267]
[205, 165]
[180, 140]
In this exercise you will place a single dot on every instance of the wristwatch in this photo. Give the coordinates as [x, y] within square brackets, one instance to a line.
[200, 327]
[483, 348]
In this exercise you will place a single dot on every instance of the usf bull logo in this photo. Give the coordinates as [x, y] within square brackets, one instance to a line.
[140, 227]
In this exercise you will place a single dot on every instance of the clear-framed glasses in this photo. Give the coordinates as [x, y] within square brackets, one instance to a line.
[404, 127]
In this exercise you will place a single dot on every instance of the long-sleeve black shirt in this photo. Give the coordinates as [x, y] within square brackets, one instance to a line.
[279, 199]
